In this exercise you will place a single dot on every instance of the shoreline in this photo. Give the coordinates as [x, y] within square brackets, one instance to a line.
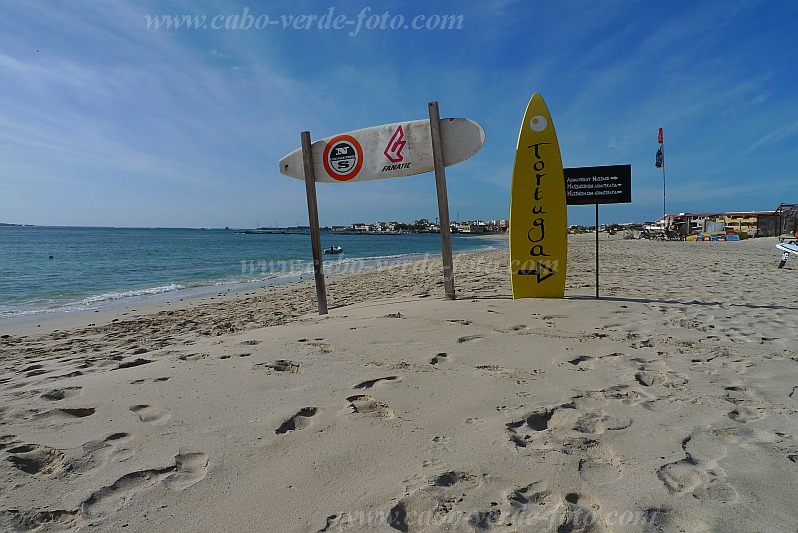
[176, 301]
[287, 273]
[68, 318]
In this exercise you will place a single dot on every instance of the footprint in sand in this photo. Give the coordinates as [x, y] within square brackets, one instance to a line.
[573, 512]
[151, 414]
[582, 363]
[35, 520]
[743, 396]
[744, 414]
[698, 473]
[67, 413]
[133, 363]
[470, 338]
[56, 395]
[535, 498]
[513, 373]
[26, 394]
[193, 356]
[283, 365]
[628, 395]
[657, 374]
[599, 422]
[651, 378]
[99, 453]
[582, 515]
[37, 459]
[372, 382]
[565, 417]
[522, 431]
[301, 420]
[365, 404]
[440, 358]
[190, 467]
[598, 464]
[449, 487]
[539, 420]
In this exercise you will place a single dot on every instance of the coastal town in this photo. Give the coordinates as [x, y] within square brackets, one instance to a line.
[783, 220]
[425, 226]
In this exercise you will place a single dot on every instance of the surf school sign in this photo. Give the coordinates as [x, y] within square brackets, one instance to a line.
[538, 214]
[387, 151]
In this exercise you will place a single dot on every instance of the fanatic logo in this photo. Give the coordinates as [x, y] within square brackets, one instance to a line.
[395, 146]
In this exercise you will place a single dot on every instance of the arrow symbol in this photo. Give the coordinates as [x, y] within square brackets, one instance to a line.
[542, 272]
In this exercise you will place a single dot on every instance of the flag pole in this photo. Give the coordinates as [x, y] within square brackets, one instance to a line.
[661, 164]
[664, 210]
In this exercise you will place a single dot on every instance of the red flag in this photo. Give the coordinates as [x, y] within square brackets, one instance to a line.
[659, 136]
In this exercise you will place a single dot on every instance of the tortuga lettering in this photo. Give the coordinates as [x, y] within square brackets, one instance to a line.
[538, 231]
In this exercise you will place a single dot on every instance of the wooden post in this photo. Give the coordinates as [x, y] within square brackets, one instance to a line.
[443, 200]
[313, 218]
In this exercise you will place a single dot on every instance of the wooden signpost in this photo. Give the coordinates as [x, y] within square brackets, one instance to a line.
[387, 151]
[610, 184]
[443, 200]
[315, 229]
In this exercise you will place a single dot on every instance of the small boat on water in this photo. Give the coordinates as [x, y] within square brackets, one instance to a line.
[333, 250]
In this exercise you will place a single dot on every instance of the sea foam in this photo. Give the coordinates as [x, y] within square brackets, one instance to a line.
[110, 296]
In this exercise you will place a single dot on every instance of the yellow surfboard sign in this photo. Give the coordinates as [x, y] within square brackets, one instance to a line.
[538, 213]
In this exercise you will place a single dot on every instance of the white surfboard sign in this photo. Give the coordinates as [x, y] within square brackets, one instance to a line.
[388, 151]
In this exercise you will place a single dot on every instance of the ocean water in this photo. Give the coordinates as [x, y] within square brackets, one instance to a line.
[64, 269]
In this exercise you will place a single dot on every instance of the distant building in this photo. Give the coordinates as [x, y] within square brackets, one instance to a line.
[783, 219]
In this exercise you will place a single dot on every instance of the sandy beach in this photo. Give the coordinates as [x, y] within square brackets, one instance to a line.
[667, 405]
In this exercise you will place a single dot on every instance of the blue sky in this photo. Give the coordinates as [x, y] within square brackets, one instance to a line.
[104, 122]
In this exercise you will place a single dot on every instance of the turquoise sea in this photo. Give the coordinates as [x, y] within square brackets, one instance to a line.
[64, 269]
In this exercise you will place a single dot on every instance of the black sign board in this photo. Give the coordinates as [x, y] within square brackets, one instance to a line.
[598, 185]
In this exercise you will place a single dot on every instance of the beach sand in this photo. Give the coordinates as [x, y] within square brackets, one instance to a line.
[667, 405]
